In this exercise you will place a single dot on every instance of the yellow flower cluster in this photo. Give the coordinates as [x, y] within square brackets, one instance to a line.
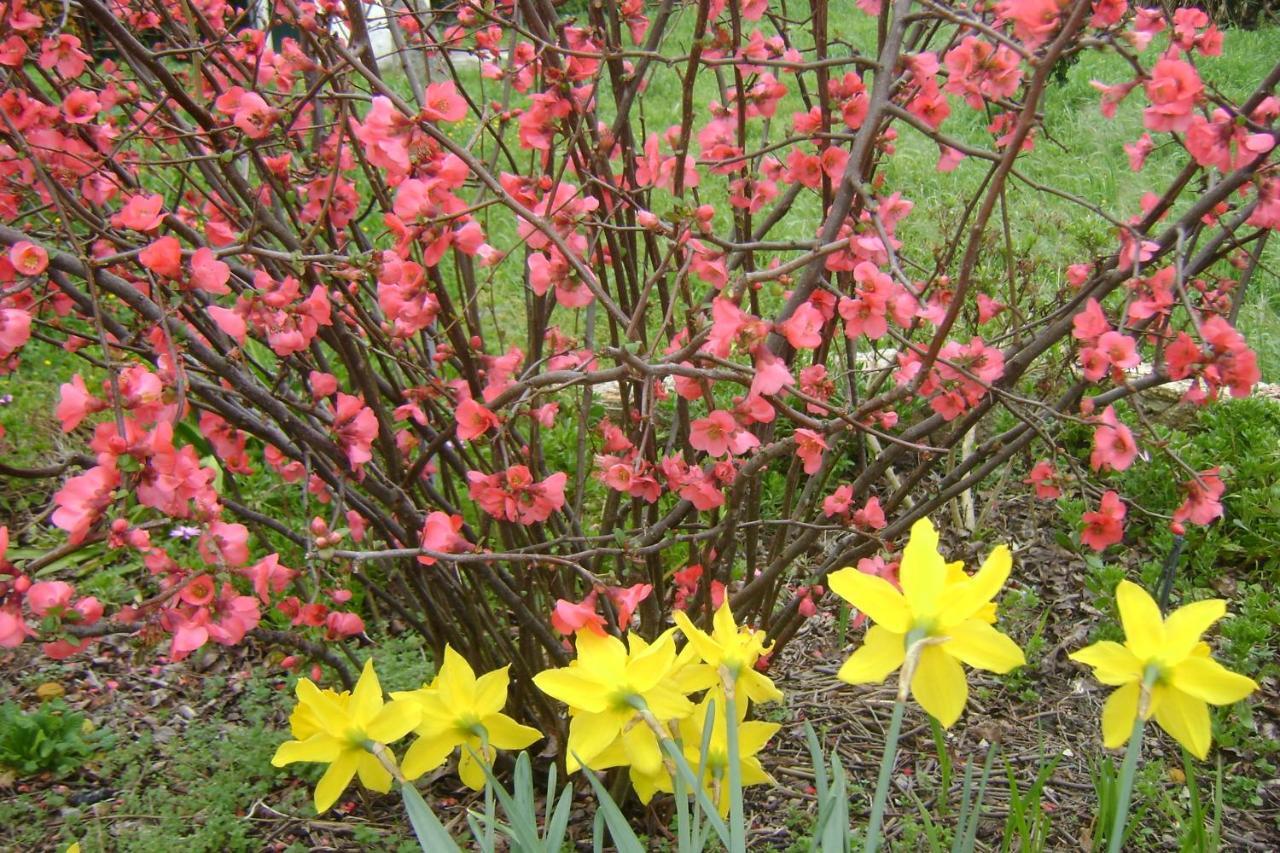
[626, 698]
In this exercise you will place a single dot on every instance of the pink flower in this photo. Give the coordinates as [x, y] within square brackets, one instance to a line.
[803, 329]
[48, 596]
[627, 599]
[474, 420]
[356, 426]
[208, 273]
[838, 502]
[1043, 478]
[82, 499]
[1105, 526]
[719, 434]
[443, 103]
[15, 330]
[980, 70]
[871, 516]
[1203, 503]
[76, 403]
[141, 213]
[340, 624]
[1033, 20]
[441, 533]
[809, 447]
[1113, 444]
[163, 257]
[569, 617]
[268, 576]
[1174, 90]
[27, 258]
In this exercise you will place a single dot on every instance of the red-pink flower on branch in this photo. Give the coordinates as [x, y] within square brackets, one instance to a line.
[514, 496]
[1105, 526]
[268, 576]
[810, 446]
[141, 213]
[63, 53]
[82, 499]
[75, 403]
[569, 617]
[27, 258]
[1113, 445]
[1173, 90]
[1033, 20]
[1044, 479]
[15, 330]
[13, 628]
[340, 624]
[839, 502]
[1203, 502]
[46, 597]
[208, 273]
[871, 516]
[718, 434]
[356, 426]
[442, 533]
[474, 420]
[443, 103]
[980, 70]
[626, 600]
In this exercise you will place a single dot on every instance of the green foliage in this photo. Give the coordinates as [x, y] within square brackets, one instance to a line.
[51, 739]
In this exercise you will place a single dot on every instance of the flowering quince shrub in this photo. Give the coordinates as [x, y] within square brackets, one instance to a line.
[280, 266]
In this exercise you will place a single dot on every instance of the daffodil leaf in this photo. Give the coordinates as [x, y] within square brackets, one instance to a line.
[431, 834]
[623, 836]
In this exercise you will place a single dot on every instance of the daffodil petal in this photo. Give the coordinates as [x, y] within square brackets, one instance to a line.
[939, 685]
[1187, 624]
[1186, 719]
[1112, 663]
[601, 653]
[754, 735]
[882, 652]
[874, 596]
[667, 703]
[652, 665]
[963, 600]
[706, 647]
[372, 774]
[366, 699]
[336, 779]
[506, 733]
[491, 691]
[589, 734]
[330, 716]
[395, 720]
[574, 688]
[983, 647]
[1143, 626]
[923, 571]
[320, 747]
[470, 770]
[1210, 681]
[758, 687]
[642, 748]
[456, 678]
[1119, 713]
[427, 753]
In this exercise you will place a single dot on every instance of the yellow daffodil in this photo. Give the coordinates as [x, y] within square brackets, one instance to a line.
[342, 730]
[940, 608]
[735, 649]
[605, 688]
[1169, 653]
[752, 736]
[460, 710]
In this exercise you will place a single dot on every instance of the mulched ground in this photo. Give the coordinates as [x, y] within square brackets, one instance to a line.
[114, 688]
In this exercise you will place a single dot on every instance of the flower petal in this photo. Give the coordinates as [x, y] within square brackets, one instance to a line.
[1112, 663]
[574, 687]
[1185, 626]
[1186, 719]
[1119, 714]
[366, 699]
[456, 679]
[318, 748]
[394, 721]
[758, 687]
[470, 770]
[874, 596]
[653, 665]
[923, 572]
[589, 734]
[1143, 625]
[882, 652]
[330, 716]
[982, 647]
[427, 753]
[491, 691]
[707, 648]
[939, 685]
[965, 599]
[506, 733]
[336, 779]
[373, 775]
[643, 752]
[1210, 681]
